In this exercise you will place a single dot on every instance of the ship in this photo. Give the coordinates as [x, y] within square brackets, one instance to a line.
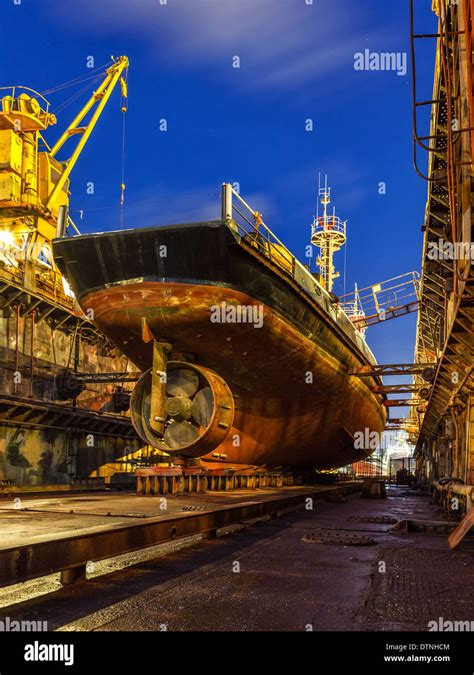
[246, 355]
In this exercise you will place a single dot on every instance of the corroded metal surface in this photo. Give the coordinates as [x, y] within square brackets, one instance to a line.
[446, 326]
[194, 430]
[280, 418]
[49, 554]
[296, 403]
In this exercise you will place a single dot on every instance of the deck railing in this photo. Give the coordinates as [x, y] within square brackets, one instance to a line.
[385, 300]
[253, 231]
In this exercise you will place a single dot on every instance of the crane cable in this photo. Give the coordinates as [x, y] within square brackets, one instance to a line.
[65, 104]
[124, 92]
[77, 80]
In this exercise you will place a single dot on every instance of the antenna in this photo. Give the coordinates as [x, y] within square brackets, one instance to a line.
[328, 233]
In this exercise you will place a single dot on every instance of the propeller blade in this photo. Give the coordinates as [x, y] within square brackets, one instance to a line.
[180, 434]
[182, 382]
[203, 407]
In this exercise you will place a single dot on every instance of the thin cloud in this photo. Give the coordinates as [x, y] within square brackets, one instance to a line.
[280, 43]
[163, 205]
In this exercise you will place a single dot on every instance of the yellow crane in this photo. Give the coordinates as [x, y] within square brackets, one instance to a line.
[34, 184]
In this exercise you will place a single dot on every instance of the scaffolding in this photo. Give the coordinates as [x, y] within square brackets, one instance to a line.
[445, 444]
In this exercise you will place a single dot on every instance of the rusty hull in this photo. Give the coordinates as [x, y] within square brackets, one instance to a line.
[281, 419]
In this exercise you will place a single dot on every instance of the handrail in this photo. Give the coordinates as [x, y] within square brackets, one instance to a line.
[375, 303]
[332, 223]
[273, 248]
[13, 87]
[258, 222]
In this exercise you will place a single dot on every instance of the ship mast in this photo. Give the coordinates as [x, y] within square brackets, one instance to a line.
[328, 233]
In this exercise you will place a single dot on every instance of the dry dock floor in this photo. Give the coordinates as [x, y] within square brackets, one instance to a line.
[268, 576]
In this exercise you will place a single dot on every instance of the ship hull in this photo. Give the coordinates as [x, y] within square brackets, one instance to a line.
[286, 362]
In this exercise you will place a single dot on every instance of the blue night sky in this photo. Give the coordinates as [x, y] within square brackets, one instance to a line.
[243, 124]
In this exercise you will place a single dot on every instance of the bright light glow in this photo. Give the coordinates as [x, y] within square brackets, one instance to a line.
[6, 238]
[67, 289]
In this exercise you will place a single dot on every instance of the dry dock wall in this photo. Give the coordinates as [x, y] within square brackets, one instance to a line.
[32, 356]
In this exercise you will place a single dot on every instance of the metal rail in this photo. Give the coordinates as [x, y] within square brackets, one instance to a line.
[99, 378]
[383, 301]
[70, 554]
[257, 233]
[396, 369]
[32, 413]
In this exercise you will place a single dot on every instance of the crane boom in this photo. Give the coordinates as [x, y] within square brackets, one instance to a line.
[102, 95]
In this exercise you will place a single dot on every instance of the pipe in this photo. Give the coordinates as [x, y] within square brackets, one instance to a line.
[17, 337]
[32, 346]
[455, 469]
[464, 490]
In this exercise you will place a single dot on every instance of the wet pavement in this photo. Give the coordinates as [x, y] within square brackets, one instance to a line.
[292, 573]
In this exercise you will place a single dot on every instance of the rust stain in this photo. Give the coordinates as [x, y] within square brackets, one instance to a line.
[280, 418]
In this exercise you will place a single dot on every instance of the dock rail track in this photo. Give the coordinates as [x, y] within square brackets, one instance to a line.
[70, 554]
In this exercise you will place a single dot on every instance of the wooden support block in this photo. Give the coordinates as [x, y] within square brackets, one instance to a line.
[73, 575]
[147, 485]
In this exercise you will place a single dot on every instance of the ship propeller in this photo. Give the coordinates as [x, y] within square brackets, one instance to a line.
[199, 410]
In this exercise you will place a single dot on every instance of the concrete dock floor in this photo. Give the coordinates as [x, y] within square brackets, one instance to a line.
[272, 577]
